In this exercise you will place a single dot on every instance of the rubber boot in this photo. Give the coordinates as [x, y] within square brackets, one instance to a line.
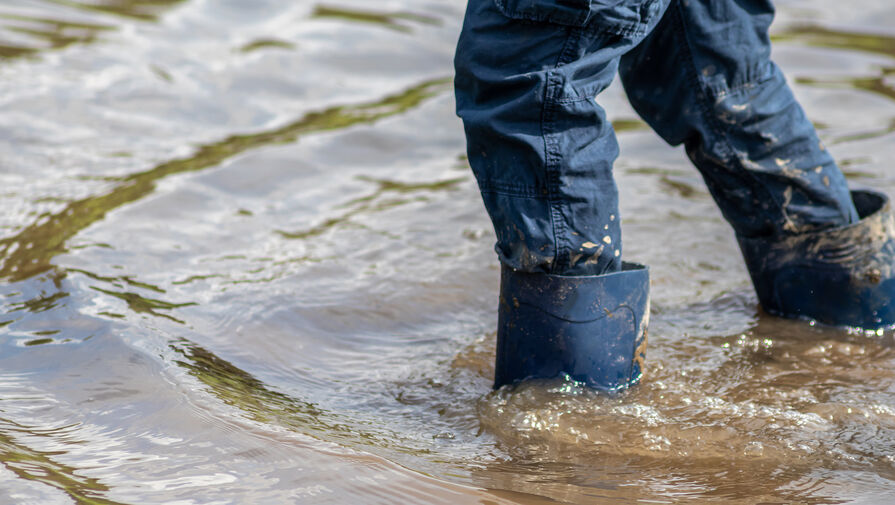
[592, 328]
[843, 276]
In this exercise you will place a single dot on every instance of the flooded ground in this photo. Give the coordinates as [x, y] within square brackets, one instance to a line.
[244, 261]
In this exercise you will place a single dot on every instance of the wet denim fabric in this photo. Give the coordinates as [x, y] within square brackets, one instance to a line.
[528, 75]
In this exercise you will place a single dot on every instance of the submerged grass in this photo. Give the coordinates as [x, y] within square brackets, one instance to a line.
[876, 85]
[40, 34]
[238, 388]
[390, 20]
[838, 39]
[143, 305]
[373, 203]
[39, 466]
[259, 44]
[44, 34]
[31, 250]
[143, 10]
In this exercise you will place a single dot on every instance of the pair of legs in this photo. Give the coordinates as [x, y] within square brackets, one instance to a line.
[528, 77]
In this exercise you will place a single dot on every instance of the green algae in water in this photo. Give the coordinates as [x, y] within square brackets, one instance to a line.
[626, 125]
[390, 20]
[143, 305]
[876, 85]
[40, 34]
[31, 250]
[837, 39]
[39, 466]
[238, 388]
[260, 44]
[143, 10]
[372, 203]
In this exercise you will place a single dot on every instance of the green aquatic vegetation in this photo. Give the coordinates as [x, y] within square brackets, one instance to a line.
[391, 20]
[867, 135]
[683, 189]
[628, 124]
[259, 44]
[117, 280]
[846, 164]
[194, 278]
[114, 280]
[161, 73]
[143, 305]
[41, 303]
[45, 333]
[837, 39]
[138, 284]
[373, 203]
[43, 34]
[143, 10]
[39, 466]
[30, 251]
[656, 171]
[39, 341]
[877, 85]
[238, 388]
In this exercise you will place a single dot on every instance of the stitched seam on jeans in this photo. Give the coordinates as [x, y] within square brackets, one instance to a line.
[575, 99]
[552, 159]
[624, 29]
[520, 191]
[552, 156]
[702, 96]
[546, 18]
[631, 29]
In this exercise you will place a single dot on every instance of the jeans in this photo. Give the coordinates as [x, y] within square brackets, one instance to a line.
[528, 76]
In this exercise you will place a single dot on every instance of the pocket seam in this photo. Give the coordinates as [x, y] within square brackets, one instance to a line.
[580, 21]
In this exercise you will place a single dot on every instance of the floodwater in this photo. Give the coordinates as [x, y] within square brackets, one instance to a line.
[244, 261]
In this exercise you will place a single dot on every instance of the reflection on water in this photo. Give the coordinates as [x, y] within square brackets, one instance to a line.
[144, 305]
[392, 20]
[878, 85]
[38, 466]
[30, 251]
[374, 202]
[852, 41]
[260, 44]
[295, 301]
[238, 388]
[838, 39]
[145, 10]
[35, 34]
[41, 34]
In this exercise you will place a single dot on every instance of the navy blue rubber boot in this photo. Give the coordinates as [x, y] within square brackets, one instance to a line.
[592, 328]
[843, 276]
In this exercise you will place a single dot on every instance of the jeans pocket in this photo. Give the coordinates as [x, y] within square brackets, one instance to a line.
[615, 16]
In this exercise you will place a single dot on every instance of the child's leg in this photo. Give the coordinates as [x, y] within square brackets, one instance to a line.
[528, 74]
[704, 78]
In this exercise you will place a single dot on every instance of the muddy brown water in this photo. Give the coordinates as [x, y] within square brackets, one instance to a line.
[243, 261]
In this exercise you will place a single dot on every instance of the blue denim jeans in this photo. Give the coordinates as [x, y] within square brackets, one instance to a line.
[528, 77]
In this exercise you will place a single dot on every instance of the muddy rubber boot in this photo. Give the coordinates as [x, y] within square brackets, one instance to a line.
[843, 276]
[592, 328]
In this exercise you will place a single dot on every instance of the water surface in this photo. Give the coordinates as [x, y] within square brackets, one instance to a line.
[243, 260]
